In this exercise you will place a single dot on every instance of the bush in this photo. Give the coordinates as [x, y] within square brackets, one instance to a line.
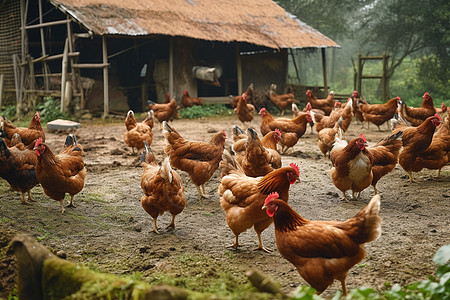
[207, 110]
[49, 110]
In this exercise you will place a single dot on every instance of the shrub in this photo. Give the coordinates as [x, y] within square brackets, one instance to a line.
[207, 110]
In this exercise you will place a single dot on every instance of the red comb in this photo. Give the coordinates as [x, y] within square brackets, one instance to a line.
[224, 133]
[262, 109]
[243, 96]
[363, 137]
[426, 94]
[295, 167]
[38, 142]
[438, 116]
[398, 98]
[270, 197]
[278, 131]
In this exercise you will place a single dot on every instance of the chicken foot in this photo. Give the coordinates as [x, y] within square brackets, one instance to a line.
[411, 179]
[155, 228]
[172, 224]
[235, 245]
[71, 202]
[260, 246]
[200, 194]
[23, 199]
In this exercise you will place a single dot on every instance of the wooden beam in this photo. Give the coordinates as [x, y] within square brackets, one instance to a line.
[171, 67]
[61, 22]
[372, 76]
[91, 66]
[239, 70]
[324, 71]
[105, 78]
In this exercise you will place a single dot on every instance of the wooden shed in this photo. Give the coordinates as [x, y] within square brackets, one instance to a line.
[114, 55]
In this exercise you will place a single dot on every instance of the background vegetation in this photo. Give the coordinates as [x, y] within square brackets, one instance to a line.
[414, 33]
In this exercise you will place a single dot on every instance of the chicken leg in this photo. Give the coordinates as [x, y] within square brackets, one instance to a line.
[260, 246]
[29, 196]
[236, 244]
[204, 192]
[71, 202]
[62, 206]
[172, 224]
[23, 199]
[155, 228]
[411, 179]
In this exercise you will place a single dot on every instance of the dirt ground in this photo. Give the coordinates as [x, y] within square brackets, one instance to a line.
[108, 229]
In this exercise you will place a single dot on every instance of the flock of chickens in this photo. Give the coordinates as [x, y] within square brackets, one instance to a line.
[254, 187]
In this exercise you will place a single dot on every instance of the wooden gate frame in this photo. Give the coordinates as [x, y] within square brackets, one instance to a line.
[384, 78]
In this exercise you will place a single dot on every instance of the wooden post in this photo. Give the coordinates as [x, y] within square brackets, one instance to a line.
[295, 64]
[239, 70]
[31, 99]
[385, 79]
[105, 79]
[64, 74]
[2, 78]
[44, 63]
[359, 79]
[324, 71]
[17, 80]
[171, 68]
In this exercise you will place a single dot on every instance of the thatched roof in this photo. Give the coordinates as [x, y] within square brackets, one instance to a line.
[259, 22]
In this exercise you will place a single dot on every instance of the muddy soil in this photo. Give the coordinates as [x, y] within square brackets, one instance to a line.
[108, 229]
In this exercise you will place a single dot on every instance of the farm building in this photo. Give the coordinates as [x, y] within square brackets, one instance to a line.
[109, 55]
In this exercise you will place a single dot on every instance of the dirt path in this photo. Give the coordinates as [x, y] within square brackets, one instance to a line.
[108, 229]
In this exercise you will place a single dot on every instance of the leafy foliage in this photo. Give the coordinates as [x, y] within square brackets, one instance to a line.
[49, 110]
[9, 112]
[431, 288]
[207, 110]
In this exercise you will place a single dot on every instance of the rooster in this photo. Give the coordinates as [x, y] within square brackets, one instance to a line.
[280, 101]
[416, 116]
[18, 167]
[60, 174]
[415, 141]
[28, 135]
[163, 189]
[137, 133]
[323, 251]
[189, 101]
[198, 159]
[242, 197]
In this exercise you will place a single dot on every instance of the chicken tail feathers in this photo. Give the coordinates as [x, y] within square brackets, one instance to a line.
[368, 227]
[228, 165]
[237, 130]
[4, 152]
[70, 141]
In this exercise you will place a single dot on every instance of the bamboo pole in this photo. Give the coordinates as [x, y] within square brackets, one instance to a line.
[105, 78]
[61, 22]
[64, 73]
[2, 78]
[44, 53]
[324, 70]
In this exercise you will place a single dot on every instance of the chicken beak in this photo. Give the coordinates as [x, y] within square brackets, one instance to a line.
[264, 207]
